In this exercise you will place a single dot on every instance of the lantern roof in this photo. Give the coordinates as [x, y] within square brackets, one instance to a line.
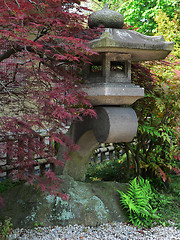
[116, 39]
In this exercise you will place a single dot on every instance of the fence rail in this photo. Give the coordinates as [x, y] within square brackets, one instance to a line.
[36, 164]
[13, 160]
[103, 153]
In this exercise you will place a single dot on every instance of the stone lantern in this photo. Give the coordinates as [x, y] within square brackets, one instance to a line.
[109, 88]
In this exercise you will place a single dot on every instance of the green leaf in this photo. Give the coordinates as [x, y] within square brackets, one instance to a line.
[136, 201]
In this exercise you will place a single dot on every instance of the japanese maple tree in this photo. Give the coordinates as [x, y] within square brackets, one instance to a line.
[43, 47]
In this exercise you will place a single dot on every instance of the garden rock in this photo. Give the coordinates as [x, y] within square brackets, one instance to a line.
[90, 204]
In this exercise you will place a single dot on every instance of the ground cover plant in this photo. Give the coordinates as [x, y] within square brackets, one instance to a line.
[167, 202]
[5, 229]
[137, 203]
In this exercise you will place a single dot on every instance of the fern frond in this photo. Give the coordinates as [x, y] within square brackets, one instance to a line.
[137, 202]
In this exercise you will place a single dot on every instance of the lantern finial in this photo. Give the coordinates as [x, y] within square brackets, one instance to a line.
[107, 18]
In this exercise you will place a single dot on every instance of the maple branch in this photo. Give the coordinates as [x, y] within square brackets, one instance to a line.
[18, 48]
[4, 87]
[42, 33]
[32, 2]
[9, 52]
[14, 75]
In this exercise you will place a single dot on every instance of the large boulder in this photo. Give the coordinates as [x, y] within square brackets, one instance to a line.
[90, 204]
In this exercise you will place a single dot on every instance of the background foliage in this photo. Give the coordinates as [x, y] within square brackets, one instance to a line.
[141, 14]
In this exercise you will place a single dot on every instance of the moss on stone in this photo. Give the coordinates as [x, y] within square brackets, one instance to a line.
[89, 204]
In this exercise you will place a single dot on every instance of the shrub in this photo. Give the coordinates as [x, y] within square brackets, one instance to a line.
[7, 184]
[108, 171]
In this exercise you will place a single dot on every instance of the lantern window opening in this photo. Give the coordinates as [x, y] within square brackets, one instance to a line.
[117, 66]
[96, 69]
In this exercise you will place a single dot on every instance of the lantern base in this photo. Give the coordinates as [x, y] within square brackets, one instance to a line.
[113, 94]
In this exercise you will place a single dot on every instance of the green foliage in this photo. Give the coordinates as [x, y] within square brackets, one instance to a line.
[155, 148]
[7, 184]
[5, 229]
[36, 224]
[140, 14]
[137, 203]
[108, 171]
[175, 186]
[167, 203]
[169, 28]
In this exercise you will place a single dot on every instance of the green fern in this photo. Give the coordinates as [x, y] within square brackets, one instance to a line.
[137, 203]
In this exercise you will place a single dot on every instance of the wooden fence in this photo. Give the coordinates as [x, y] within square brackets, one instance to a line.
[36, 164]
[103, 153]
[12, 160]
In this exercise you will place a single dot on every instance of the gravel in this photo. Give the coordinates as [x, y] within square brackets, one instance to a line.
[110, 231]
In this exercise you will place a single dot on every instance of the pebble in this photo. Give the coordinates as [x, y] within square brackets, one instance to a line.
[109, 231]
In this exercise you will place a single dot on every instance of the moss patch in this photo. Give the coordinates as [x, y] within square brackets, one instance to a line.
[89, 204]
